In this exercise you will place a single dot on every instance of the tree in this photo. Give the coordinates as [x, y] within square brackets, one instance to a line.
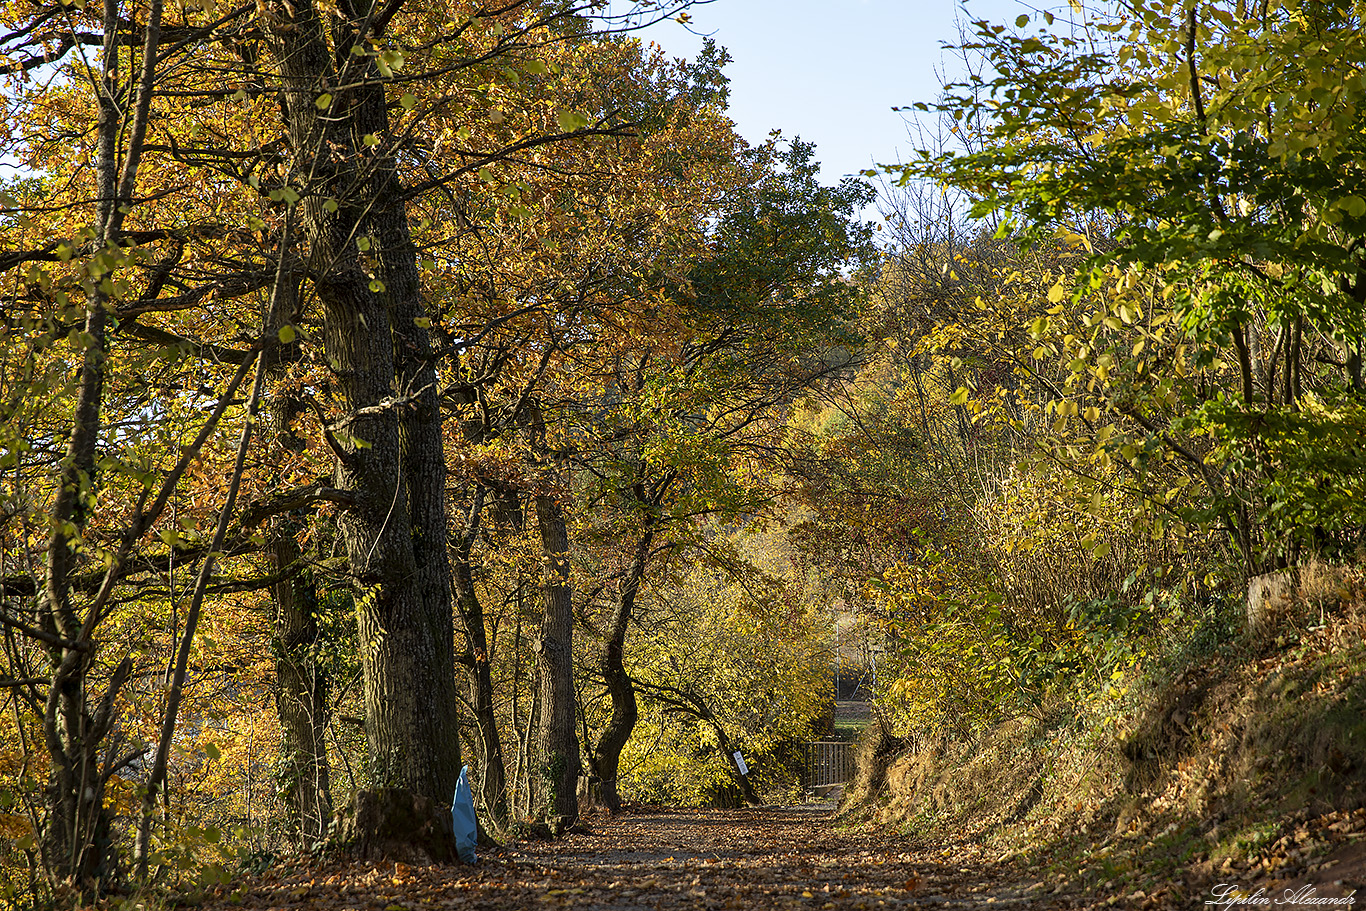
[557, 742]
[101, 498]
[696, 419]
[191, 198]
[1219, 141]
[727, 658]
[609, 218]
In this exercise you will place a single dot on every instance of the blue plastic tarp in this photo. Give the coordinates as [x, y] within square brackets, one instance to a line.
[462, 814]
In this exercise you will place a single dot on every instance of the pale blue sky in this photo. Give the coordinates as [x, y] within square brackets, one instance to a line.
[831, 70]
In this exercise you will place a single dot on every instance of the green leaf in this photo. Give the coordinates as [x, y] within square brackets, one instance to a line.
[1354, 206]
[1021, 21]
[324, 101]
[376, 286]
[571, 120]
[211, 750]
[287, 334]
[409, 101]
[959, 397]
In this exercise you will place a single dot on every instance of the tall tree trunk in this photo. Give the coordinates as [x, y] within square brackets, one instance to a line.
[389, 444]
[301, 684]
[301, 693]
[607, 753]
[76, 838]
[492, 766]
[76, 844]
[557, 738]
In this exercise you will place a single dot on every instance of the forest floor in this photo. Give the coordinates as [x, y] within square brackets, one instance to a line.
[773, 857]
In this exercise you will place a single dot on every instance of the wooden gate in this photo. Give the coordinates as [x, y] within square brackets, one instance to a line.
[828, 763]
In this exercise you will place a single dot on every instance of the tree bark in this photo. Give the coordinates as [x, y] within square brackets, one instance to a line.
[301, 683]
[557, 740]
[492, 766]
[301, 694]
[607, 753]
[728, 750]
[389, 439]
[76, 843]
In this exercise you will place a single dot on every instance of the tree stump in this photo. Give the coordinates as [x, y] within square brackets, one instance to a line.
[1270, 602]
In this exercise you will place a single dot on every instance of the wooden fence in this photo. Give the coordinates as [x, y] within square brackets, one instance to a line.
[828, 763]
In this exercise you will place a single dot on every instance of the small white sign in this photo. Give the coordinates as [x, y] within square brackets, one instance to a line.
[740, 763]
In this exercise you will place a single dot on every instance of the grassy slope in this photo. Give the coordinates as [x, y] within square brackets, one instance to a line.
[1243, 763]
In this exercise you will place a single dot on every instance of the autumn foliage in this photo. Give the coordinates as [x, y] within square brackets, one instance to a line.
[390, 389]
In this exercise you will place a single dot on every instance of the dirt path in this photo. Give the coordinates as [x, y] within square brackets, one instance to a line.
[675, 859]
[772, 858]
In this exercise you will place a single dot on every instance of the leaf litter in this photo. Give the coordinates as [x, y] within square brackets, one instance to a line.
[660, 860]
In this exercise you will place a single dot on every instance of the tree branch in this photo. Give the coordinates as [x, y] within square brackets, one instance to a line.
[295, 498]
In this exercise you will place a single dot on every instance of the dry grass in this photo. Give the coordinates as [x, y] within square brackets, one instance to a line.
[1175, 774]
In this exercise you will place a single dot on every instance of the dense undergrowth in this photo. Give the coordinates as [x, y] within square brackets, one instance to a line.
[1124, 614]
[1224, 753]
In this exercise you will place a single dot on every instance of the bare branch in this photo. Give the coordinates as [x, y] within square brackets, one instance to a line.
[295, 498]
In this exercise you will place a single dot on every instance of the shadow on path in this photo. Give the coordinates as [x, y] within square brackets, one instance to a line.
[669, 860]
[773, 857]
